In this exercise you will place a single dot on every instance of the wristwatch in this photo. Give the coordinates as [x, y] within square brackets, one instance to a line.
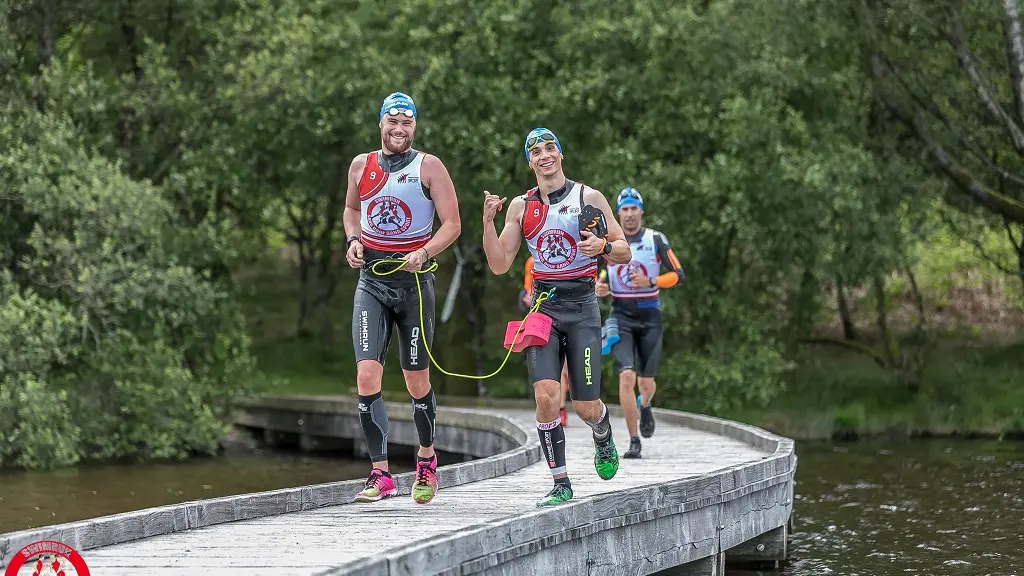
[607, 248]
[350, 240]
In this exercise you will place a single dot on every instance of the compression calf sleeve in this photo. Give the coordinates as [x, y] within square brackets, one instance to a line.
[552, 442]
[424, 413]
[373, 418]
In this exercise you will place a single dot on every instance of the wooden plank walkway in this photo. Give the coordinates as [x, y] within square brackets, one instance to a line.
[352, 538]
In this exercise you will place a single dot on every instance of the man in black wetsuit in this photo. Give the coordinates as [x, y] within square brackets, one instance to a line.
[549, 216]
[637, 309]
[393, 195]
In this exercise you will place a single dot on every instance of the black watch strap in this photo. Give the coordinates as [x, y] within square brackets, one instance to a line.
[351, 239]
[607, 248]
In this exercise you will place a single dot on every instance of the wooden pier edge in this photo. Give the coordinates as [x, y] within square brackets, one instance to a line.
[521, 448]
[720, 510]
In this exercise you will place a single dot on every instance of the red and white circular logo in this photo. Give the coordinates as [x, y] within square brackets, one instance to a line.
[388, 216]
[48, 558]
[556, 248]
[631, 269]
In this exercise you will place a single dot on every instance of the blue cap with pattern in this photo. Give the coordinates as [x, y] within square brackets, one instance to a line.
[398, 103]
[629, 196]
[538, 135]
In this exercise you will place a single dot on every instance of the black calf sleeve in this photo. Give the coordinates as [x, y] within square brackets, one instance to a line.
[373, 417]
[552, 443]
[424, 412]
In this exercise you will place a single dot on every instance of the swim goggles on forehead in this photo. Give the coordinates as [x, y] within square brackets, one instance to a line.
[629, 197]
[393, 111]
[535, 139]
[538, 136]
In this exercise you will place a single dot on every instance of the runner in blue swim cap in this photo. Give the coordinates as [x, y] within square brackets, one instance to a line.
[636, 306]
[392, 198]
[556, 220]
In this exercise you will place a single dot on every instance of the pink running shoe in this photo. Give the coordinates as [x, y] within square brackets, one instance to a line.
[378, 487]
[425, 486]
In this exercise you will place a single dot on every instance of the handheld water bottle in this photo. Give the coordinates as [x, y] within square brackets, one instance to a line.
[609, 335]
[610, 330]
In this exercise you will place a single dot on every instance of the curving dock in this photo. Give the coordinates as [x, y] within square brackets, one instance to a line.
[706, 490]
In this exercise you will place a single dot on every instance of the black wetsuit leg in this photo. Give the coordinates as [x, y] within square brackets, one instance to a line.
[648, 344]
[372, 319]
[640, 340]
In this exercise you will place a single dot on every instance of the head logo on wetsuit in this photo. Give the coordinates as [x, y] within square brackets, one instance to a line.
[556, 248]
[388, 215]
[631, 269]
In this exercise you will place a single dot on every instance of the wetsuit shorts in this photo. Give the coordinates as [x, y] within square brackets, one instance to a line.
[575, 337]
[381, 303]
[639, 345]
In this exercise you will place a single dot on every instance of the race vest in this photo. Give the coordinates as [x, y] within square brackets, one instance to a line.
[395, 214]
[552, 234]
[645, 263]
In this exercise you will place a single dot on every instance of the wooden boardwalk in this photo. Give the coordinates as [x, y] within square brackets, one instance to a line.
[490, 525]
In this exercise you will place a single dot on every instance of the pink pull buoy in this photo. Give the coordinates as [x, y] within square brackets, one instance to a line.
[536, 331]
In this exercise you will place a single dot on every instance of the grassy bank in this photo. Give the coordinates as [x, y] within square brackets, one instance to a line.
[970, 388]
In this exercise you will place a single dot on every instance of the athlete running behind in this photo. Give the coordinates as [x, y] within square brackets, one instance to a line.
[525, 303]
[393, 194]
[564, 259]
[637, 308]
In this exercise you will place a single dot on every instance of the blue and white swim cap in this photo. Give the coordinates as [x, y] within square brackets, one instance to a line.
[398, 103]
[629, 196]
[538, 135]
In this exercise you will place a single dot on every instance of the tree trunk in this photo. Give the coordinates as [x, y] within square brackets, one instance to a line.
[849, 329]
[919, 327]
[305, 259]
[889, 346]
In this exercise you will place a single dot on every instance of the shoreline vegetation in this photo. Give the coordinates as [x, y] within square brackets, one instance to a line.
[972, 381]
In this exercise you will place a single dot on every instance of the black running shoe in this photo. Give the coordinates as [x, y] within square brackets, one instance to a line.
[634, 448]
[646, 419]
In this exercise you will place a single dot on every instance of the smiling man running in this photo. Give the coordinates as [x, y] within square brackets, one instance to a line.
[393, 194]
[548, 216]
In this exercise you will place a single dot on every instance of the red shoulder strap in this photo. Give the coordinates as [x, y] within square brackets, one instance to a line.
[535, 213]
[372, 179]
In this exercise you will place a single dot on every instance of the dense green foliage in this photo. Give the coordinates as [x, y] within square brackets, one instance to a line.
[156, 155]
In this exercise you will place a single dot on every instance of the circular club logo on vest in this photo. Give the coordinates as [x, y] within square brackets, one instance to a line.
[556, 248]
[48, 558]
[388, 216]
[634, 268]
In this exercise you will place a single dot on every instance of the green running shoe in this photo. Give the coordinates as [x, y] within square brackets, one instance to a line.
[559, 493]
[606, 458]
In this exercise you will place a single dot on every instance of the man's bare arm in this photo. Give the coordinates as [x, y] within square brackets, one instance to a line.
[502, 250]
[350, 218]
[446, 204]
[620, 254]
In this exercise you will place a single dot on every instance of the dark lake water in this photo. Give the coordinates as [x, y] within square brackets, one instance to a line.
[32, 499]
[927, 507]
[922, 507]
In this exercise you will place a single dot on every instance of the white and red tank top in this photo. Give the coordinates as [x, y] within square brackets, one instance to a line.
[395, 215]
[645, 262]
[552, 234]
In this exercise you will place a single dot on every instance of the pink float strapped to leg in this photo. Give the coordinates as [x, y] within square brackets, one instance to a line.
[536, 331]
